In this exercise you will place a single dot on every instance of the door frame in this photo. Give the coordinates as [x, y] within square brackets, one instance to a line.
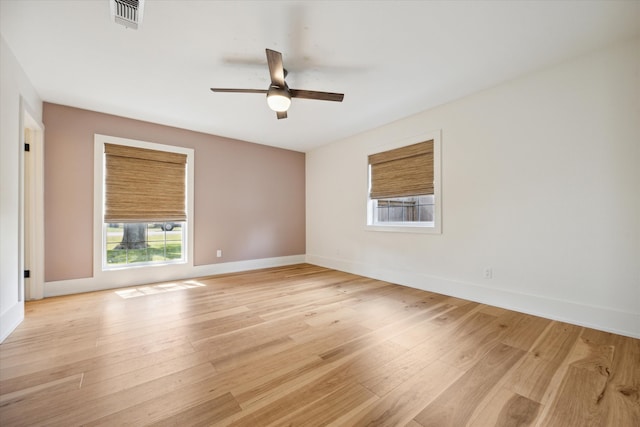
[32, 219]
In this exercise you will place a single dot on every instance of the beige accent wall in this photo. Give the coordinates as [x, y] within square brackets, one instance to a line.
[249, 198]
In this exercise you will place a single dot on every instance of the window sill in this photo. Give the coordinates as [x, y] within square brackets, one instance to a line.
[120, 267]
[400, 228]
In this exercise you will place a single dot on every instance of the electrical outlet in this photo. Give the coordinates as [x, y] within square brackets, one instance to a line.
[219, 253]
[488, 273]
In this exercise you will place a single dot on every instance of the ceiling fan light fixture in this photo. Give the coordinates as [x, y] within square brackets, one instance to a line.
[278, 99]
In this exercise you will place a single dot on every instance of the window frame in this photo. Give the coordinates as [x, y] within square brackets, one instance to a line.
[99, 253]
[434, 227]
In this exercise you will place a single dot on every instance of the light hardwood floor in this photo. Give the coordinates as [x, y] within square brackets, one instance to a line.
[305, 345]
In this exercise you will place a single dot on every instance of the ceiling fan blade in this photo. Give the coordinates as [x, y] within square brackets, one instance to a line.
[217, 89]
[281, 114]
[276, 69]
[312, 94]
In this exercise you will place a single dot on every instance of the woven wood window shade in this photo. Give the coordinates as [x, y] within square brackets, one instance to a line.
[405, 171]
[143, 185]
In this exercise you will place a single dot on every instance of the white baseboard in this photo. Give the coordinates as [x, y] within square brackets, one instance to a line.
[10, 319]
[254, 264]
[140, 277]
[601, 318]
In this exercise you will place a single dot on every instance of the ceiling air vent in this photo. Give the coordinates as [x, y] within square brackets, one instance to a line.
[127, 12]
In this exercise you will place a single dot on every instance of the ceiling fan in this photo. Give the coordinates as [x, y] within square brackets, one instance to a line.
[279, 94]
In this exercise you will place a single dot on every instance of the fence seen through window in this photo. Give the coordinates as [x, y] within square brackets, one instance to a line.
[404, 209]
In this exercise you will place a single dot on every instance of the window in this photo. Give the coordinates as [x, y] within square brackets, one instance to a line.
[404, 186]
[144, 202]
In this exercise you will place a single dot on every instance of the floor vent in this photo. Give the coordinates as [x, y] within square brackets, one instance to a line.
[127, 12]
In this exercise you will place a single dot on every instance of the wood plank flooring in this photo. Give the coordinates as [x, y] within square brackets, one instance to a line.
[307, 346]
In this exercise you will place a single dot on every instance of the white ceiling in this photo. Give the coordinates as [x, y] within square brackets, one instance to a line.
[390, 58]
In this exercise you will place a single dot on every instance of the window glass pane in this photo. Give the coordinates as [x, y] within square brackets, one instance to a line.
[114, 233]
[425, 208]
[156, 251]
[404, 209]
[116, 256]
[383, 213]
[138, 243]
[174, 251]
[137, 255]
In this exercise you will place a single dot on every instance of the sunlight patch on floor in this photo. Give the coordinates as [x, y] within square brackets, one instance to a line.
[157, 289]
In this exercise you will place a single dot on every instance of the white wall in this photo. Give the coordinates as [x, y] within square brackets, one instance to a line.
[541, 182]
[15, 89]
